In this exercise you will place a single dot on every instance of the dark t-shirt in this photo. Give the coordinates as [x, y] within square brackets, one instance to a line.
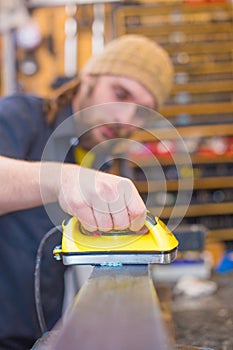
[23, 135]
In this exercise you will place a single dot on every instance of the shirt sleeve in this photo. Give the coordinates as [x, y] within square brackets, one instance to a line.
[18, 125]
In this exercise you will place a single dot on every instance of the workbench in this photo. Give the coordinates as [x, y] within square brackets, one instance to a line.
[205, 321]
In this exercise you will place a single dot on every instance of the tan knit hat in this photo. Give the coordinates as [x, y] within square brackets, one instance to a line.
[139, 58]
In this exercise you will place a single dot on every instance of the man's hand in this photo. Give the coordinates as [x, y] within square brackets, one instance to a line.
[99, 200]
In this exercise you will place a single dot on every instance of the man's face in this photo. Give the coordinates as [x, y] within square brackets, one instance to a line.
[117, 120]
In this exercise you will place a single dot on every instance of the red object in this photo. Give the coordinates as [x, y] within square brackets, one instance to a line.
[162, 148]
[216, 146]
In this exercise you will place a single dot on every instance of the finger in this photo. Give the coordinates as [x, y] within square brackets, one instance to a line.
[133, 203]
[130, 205]
[137, 220]
[120, 219]
[87, 218]
[119, 212]
[103, 220]
[136, 212]
[102, 214]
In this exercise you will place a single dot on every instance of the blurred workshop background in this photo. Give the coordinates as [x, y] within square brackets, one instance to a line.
[44, 43]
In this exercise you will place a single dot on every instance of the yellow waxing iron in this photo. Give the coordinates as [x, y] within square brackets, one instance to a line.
[116, 247]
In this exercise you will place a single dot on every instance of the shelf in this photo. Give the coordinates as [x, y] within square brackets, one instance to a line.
[179, 27]
[178, 159]
[206, 68]
[205, 87]
[167, 7]
[184, 184]
[197, 109]
[200, 48]
[186, 131]
[223, 234]
[193, 210]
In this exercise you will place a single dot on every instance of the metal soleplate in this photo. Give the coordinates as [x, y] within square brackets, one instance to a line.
[118, 259]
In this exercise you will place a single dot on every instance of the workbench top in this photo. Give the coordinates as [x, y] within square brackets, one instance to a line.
[206, 321]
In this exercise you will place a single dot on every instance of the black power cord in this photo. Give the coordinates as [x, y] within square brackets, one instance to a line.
[37, 291]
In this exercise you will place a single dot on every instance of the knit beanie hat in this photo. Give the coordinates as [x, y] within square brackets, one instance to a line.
[136, 57]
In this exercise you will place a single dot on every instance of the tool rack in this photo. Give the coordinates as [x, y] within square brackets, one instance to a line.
[199, 39]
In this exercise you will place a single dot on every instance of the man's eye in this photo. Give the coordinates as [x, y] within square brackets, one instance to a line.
[121, 94]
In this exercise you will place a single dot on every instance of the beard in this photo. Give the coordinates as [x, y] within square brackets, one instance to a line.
[95, 122]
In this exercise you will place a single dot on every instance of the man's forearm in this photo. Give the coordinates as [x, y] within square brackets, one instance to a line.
[21, 184]
[98, 199]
